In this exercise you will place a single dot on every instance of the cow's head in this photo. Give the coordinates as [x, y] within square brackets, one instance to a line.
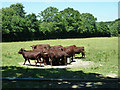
[34, 46]
[21, 51]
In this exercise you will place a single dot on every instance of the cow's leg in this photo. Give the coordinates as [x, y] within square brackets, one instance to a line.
[24, 61]
[44, 60]
[40, 63]
[36, 62]
[39, 59]
[74, 55]
[51, 62]
[29, 61]
[57, 61]
[61, 60]
[65, 58]
[72, 59]
[83, 54]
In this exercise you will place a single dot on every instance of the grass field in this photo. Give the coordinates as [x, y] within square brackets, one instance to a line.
[102, 51]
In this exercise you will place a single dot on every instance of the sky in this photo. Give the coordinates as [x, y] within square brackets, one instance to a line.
[103, 11]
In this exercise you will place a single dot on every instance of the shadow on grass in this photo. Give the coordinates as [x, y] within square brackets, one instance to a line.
[21, 72]
[79, 57]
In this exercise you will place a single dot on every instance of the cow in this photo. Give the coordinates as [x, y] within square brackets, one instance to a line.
[31, 54]
[72, 46]
[60, 47]
[70, 51]
[45, 58]
[79, 50]
[56, 55]
[40, 46]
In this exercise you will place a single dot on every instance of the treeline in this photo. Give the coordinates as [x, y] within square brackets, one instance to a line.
[52, 23]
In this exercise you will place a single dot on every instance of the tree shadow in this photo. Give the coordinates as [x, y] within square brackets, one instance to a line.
[22, 72]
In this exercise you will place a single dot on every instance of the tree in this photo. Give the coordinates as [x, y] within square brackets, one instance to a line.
[115, 27]
[103, 29]
[7, 14]
[32, 22]
[71, 16]
[19, 8]
[11, 19]
[89, 24]
[48, 14]
[72, 21]
[68, 23]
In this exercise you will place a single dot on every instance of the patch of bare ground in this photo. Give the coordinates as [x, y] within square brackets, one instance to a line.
[113, 75]
[74, 64]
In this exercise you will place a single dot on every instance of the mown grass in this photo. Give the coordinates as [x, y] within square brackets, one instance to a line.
[102, 51]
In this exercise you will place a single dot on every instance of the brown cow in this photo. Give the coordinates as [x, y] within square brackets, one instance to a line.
[46, 46]
[60, 47]
[31, 54]
[70, 51]
[56, 55]
[79, 50]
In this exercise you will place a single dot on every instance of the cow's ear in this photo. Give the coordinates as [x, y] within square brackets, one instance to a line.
[22, 49]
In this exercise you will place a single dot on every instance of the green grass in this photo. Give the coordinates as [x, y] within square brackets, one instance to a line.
[102, 51]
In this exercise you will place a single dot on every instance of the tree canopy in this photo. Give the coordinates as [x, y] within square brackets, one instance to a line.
[68, 23]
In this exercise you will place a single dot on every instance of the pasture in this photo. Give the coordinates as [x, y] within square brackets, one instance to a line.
[102, 51]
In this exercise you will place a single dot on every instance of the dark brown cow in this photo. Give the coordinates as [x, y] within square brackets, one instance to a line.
[60, 47]
[72, 46]
[31, 54]
[70, 51]
[40, 46]
[56, 55]
[79, 50]
[45, 58]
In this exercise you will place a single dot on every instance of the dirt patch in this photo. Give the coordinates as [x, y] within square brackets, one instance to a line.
[74, 64]
[113, 75]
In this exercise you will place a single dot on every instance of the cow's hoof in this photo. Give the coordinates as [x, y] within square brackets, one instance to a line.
[41, 66]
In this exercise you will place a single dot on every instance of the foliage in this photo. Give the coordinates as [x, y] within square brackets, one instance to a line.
[68, 23]
[89, 25]
[16, 25]
[48, 14]
[115, 27]
[103, 29]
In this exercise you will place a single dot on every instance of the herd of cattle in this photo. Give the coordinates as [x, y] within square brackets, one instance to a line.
[51, 55]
